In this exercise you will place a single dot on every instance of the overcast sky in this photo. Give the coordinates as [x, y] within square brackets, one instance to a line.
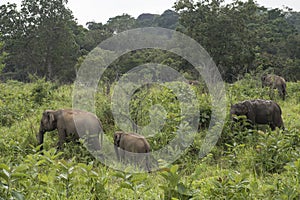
[102, 10]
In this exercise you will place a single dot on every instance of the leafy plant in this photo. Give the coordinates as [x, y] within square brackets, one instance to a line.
[174, 188]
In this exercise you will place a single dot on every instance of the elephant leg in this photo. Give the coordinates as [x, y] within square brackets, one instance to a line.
[148, 164]
[272, 126]
[122, 155]
[117, 153]
[93, 142]
[61, 139]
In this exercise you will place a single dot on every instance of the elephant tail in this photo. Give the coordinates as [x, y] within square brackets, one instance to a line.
[278, 120]
[280, 111]
[147, 151]
[284, 90]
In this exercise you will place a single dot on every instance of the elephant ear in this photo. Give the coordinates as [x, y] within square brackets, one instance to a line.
[248, 106]
[250, 112]
[51, 117]
[117, 138]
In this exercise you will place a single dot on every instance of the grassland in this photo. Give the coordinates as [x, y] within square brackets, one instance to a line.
[245, 163]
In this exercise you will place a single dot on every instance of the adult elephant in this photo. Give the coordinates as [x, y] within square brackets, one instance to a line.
[71, 124]
[131, 142]
[275, 82]
[259, 112]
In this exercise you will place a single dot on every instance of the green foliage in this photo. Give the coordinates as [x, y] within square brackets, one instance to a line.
[247, 163]
[276, 150]
[174, 188]
[3, 55]
[242, 36]
[39, 39]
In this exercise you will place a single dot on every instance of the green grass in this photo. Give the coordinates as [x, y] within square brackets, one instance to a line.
[245, 164]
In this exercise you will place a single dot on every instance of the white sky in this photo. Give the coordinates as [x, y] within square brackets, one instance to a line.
[102, 10]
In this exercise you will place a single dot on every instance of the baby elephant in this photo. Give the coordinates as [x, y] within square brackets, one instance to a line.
[259, 112]
[131, 142]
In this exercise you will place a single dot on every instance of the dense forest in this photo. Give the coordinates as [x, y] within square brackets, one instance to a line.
[42, 48]
[42, 38]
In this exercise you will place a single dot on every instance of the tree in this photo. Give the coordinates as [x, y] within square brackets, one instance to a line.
[242, 36]
[294, 19]
[2, 57]
[277, 46]
[96, 33]
[40, 39]
[222, 31]
[147, 20]
[121, 23]
[169, 19]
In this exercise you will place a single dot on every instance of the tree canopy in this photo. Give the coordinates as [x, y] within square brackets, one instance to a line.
[242, 36]
[44, 39]
[39, 39]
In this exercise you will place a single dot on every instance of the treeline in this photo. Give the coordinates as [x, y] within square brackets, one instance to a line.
[42, 38]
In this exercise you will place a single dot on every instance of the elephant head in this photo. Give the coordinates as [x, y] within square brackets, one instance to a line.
[48, 123]
[238, 109]
[117, 139]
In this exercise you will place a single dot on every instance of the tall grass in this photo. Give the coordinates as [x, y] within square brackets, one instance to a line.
[245, 163]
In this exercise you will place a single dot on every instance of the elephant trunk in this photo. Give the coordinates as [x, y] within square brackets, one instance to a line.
[117, 152]
[40, 137]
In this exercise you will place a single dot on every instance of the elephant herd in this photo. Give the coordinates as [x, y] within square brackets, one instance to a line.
[73, 124]
[261, 111]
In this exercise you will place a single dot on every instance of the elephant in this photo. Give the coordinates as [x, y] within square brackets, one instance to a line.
[259, 112]
[275, 82]
[131, 142]
[193, 82]
[71, 124]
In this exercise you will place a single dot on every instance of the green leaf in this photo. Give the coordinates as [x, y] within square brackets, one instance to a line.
[165, 175]
[174, 169]
[128, 176]
[5, 175]
[18, 175]
[17, 195]
[119, 175]
[70, 170]
[20, 168]
[4, 166]
[63, 176]
[43, 178]
[126, 185]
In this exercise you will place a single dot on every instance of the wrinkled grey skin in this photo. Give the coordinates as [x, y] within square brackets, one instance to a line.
[259, 112]
[131, 142]
[63, 121]
[275, 82]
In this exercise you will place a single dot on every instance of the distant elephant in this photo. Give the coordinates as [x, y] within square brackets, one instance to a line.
[194, 82]
[71, 124]
[259, 112]
[275, 82]
[131, 142]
